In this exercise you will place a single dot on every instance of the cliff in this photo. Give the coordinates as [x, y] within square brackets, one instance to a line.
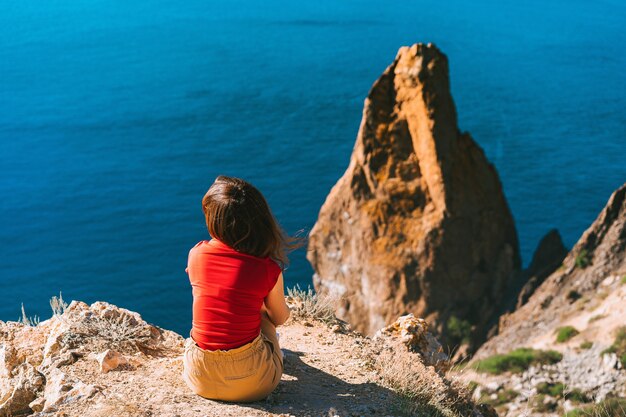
[102, 360]
[578, 316]
[587, 283]
[418, 222]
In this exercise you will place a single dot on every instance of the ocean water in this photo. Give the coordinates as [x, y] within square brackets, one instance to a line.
[116, 117]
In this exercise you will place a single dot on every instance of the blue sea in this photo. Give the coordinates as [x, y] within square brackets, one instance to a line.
[116, 116]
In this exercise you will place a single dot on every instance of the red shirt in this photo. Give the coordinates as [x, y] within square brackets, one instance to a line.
[228, 291]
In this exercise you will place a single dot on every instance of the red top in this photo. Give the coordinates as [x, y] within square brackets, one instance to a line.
[228, 291]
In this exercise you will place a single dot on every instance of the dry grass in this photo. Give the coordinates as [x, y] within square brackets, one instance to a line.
[28, 321]
[58, 305]
[420, 390]
[307, 304]
[122, 333]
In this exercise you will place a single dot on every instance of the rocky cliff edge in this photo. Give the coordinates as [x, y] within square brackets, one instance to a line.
[102, 360]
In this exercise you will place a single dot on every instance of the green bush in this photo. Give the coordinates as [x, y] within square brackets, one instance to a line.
[582, 259]
[573, 295]
[624, 279]
[611, 407]
[503, 397]
[458, 329]
[577, 396]
[553, 390]
[558, 390]
[586, 345]
[563, 334]
[516, 361]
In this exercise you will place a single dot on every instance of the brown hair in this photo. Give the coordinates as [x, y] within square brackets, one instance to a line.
[237, 214]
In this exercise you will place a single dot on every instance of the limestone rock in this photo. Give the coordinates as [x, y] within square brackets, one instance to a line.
[31, 357]
[109, 360]
[413, 333]
[61, 389]
[19, 390]
[418, 222]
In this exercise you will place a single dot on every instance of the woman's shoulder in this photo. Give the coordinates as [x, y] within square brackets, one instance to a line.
[197, 245]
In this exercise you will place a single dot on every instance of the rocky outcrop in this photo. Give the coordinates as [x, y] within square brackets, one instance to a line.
[34, 359]
[587, 292]
[547, 258]
[102, 360]
[418, 223]
[413, 333]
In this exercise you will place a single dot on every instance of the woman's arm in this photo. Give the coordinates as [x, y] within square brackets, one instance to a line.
[274, 304]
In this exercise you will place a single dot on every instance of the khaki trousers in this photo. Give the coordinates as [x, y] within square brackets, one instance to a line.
[243, 374]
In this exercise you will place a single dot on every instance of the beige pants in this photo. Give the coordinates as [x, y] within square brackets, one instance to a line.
[247, 373]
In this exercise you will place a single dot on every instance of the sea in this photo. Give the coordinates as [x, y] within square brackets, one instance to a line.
[116, 116]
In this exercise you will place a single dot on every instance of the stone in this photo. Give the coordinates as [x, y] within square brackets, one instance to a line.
[61, 389]
[37, 404]
[110, 359]
[413, 333]
[419, 222]
[610, 361]
[17, 392]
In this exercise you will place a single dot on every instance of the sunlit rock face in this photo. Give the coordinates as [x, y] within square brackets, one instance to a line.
[418, 223]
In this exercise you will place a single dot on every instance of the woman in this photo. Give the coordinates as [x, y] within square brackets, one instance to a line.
[232, 353]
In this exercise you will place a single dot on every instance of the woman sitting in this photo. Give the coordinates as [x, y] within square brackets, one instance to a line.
[233, 353]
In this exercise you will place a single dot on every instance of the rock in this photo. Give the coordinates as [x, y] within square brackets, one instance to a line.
[31, 356]
[418, 222]
[547, 257]
[610, 361]
[110, 359]
[493, 385]
[37, 404]
[61, 389]
[413, 333]
[17, 392]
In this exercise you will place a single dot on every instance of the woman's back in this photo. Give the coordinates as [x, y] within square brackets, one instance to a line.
[228, 291]
[233, 353]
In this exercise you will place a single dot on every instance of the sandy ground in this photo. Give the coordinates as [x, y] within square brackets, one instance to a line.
[324, 376]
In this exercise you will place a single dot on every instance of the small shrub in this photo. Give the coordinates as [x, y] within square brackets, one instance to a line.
[458, 329]
[611, 407]
[558, 390]
[28, 321]
[502, 397]
[563, 334]
[553, 390]
[582, 259]
[516, 361]
[623, 281]
[307, 304]
[577, 396]
[573, 295]
[586, 345]
[58, 305]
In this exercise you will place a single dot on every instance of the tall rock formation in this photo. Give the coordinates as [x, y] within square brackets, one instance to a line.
[418, 223]
[588, 292]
